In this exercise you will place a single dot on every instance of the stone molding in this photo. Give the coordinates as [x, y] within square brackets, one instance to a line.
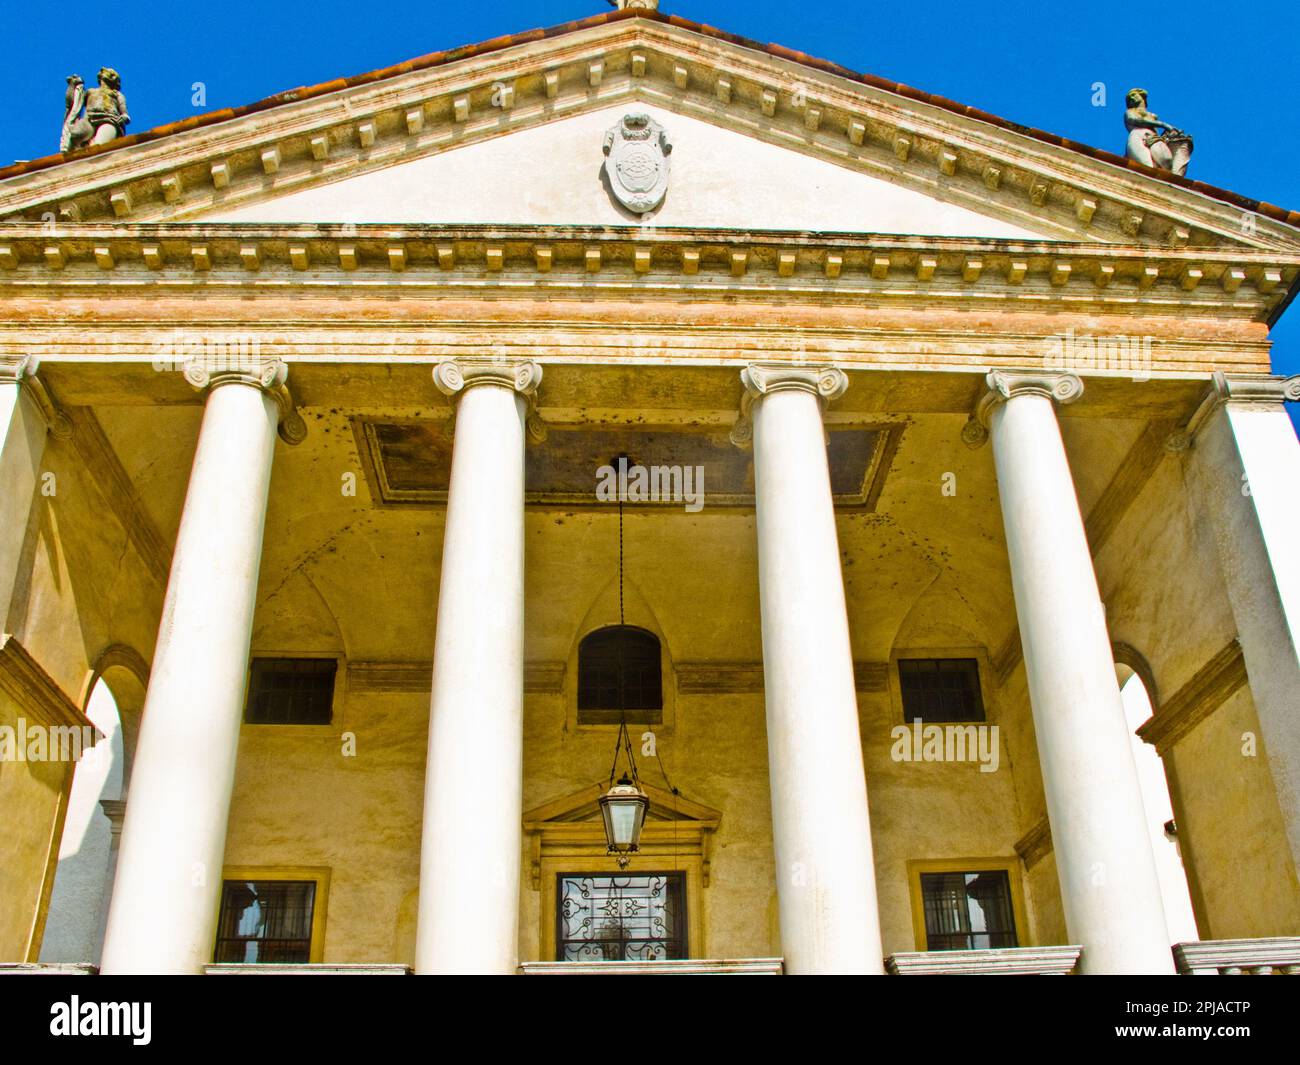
[608, 263]
[1036, 844]
[1212, 685]
[727, 678]
[45, 968]
[1003, 385]
[454, 376]
[1236, 957]
[764, 378]
[1010, 961]
[393, 678]
[34, 690]
[668, 967]
[306, 969]
[270, 375]
[115, 811]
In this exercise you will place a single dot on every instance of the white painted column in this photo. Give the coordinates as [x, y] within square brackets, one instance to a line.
[468, 920]
[826, 884]
[1244, 469]
[163, 913]
[23, 432]
[1107, 872]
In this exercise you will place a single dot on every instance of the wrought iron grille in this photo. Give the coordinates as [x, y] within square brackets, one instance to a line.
[620, 918]
[940, 689]
[291, 691]
[968, 911]
[265, 921]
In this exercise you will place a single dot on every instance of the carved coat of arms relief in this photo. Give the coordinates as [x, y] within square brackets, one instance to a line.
[637, 154]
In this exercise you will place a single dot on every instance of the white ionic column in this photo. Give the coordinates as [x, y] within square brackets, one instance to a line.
[826, 883]
[163, 913]
[1244, 469]
[473, 785]
[1107, 873]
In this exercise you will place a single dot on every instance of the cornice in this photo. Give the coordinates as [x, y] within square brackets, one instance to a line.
[615, 262]
[1213, 684]
[762, 94]
[34, 691]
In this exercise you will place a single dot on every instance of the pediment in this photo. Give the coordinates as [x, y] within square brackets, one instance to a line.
[519, 119]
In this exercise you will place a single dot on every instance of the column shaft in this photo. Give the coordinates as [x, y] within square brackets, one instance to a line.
[1245, 468]
[163, 912]
[826, 885]
[1107, 873]
[470, 851]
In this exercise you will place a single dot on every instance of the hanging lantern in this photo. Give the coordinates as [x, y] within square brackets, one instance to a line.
[624, 808]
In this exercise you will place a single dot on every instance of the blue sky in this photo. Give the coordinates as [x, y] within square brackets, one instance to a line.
[1221, 73]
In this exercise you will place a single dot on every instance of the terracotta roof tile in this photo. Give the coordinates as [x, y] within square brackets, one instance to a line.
[510, 40]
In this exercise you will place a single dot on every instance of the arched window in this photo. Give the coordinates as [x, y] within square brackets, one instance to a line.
[619, 671]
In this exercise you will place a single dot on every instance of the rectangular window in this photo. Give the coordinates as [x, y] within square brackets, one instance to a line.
[265, 921]
[968, 911]
[291, 691]
[635, 917]
[940, 689]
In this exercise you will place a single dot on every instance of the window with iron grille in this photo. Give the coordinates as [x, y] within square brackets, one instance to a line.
[968, 911]
[265, 921]
[635, 917]
[619, 670]
[291, 691]
[940, 689]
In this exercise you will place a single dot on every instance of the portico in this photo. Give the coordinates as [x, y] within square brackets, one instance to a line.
[985, 426]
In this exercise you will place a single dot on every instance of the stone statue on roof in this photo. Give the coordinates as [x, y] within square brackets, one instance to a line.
[1153, 141]
[645, 5]
[105, 116]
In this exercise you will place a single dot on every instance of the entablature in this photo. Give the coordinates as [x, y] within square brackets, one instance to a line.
[598, 263]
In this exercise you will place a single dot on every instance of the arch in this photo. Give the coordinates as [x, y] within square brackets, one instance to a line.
[125, 673]
[1128, 660]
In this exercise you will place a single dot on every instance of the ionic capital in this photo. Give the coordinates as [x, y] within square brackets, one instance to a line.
[762, 379]
[1003, 385]
[21, 370]
[456, 376]
[270, 375]
[1238, 390]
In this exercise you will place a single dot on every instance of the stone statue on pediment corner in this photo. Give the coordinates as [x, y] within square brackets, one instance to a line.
[1153, 141]
[94, 116]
